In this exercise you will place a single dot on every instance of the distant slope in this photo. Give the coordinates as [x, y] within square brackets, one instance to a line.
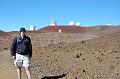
[94, 30]
[102, 30]
[2, 33]
[65, 29]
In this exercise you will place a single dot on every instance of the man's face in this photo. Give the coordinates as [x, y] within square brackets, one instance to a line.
[22, 33]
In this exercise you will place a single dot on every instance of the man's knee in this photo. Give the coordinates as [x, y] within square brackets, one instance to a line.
[18, 68]
[27, 68]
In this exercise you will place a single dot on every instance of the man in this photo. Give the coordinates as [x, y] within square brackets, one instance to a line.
[21, 51]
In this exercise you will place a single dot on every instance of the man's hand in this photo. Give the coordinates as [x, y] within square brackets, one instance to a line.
[13, 57]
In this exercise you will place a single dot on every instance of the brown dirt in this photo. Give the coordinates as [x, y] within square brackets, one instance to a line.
[91, 55]
[7, 68]
[91, 59]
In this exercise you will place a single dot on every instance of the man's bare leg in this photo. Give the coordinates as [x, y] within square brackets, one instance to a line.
[19, 72]
[28, 72]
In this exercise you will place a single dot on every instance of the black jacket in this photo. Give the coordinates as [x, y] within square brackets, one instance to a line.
[21, 46]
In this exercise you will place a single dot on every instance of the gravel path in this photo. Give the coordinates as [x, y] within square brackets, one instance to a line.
[7, 68]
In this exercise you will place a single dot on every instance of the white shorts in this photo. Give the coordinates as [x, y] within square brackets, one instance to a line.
[22, 61]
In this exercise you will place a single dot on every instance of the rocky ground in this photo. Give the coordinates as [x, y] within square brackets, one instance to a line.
[89, 59]
[68, 55]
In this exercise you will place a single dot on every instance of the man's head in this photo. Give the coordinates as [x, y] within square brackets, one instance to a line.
[22, 31]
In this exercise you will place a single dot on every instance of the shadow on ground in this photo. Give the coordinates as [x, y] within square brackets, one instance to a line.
[54, 77]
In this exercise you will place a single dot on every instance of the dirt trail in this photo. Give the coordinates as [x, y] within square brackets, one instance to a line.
[7, 68]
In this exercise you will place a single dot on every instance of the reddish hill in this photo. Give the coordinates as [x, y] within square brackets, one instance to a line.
[65, 29]
[2, 33]
[102, 30]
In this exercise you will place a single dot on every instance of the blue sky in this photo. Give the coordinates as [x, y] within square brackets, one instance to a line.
[23, 13]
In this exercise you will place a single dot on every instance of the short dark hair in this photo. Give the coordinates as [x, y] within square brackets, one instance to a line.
[22, 29]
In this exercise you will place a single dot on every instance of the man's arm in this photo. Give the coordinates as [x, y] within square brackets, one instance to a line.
[30, 46]
[13, 47]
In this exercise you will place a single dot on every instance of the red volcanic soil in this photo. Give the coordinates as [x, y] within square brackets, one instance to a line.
[65, 29]
[91, 54]
[96, 30]
[2, 33]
